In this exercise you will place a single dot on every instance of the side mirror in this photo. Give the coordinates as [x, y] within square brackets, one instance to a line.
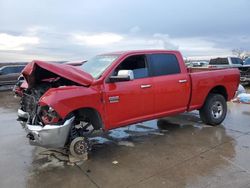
[123, 75]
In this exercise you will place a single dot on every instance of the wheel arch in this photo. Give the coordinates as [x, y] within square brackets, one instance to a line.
[219, 90]
[91, 114]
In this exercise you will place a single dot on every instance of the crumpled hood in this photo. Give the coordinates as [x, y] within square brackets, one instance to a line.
[37, 70]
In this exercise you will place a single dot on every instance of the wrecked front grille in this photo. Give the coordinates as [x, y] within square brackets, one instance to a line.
[29, 104]
[245, 74]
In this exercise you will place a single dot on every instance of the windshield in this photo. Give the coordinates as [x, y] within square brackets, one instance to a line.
[98, 64]
[247, 61]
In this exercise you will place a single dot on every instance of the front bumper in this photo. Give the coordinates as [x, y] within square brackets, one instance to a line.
[49, 136]
[22, 115]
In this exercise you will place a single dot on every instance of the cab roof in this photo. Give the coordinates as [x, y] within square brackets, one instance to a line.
[139, 51]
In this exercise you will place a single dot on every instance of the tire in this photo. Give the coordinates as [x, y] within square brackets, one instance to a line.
[214, 110]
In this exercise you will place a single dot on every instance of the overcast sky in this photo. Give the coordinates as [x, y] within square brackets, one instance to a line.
[78, 29]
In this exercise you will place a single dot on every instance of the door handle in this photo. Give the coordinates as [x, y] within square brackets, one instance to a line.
[182, 81]
[145, 86]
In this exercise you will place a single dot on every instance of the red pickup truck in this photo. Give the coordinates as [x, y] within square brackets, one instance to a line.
[65, 104]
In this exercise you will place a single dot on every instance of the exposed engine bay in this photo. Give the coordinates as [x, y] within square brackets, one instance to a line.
[31, 96]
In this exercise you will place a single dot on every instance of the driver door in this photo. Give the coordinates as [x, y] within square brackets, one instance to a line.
[128, 101]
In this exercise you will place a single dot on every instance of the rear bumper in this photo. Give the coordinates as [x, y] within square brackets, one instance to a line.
[49, 136]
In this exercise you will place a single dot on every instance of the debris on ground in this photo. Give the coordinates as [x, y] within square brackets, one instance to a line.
[51, 163]
[242, 96]
[61, 156]
[126, 143]
[157, 133]
[73, 160]
[115, 162]
[240, 90]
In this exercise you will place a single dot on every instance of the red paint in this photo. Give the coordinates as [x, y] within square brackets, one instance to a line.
[166, 96]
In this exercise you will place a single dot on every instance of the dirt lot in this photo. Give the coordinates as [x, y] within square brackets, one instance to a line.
[177, 151]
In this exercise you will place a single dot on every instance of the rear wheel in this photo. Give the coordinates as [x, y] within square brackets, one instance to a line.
[214, 110]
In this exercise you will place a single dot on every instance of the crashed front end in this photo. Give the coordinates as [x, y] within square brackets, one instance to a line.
[43, 124]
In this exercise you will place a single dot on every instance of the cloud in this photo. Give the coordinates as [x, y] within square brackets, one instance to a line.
[166, 41]
[16, 43]
[49, 44]
[189, 46]
[135, 30]
[37, 29]
[116, 41]
[97, 39]
[64, 30]
[197, 46]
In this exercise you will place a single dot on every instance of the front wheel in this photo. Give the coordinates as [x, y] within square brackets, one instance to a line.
[214, 110]
[79, 148]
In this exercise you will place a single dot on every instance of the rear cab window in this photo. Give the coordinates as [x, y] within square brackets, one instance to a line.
[219, 61]
[164, 64]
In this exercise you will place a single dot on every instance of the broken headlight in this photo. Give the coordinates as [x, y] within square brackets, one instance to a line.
[48, 115]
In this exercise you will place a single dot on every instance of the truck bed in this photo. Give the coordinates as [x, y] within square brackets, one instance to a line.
[205, 69]
[202, 79]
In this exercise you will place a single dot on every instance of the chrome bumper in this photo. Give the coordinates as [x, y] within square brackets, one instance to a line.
[21, 114]
[49, 136]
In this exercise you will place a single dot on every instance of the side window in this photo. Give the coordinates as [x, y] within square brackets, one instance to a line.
[247, 61]
[20, 69]
[17, 69]
[137, 64]
[164, 64]
[236, 61]
[5, 70]
[12, 70]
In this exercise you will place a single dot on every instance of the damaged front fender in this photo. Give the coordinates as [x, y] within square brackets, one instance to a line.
[65, 100]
